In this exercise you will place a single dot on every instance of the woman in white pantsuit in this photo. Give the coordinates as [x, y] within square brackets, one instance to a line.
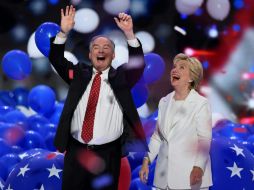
[183, 133]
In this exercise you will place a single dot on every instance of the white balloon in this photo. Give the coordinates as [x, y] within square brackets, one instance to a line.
[147, 41]
[193, 3]
[117, 37]
[144, 111]
[32, 49]
[218, 9]
[86, 20]
[121, 56]
[186, 9]
[26, 111]
[70, 57]
[116, 6]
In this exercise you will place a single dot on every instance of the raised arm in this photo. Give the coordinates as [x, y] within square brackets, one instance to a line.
[136, 64]
[57, 45]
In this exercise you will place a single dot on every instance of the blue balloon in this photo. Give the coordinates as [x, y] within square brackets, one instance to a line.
[154, 68]
[55, 116]
[16, 64]
[49, 141]
[5, 148]
[28, 154]
[45, 172]
[15, 116]
[135, 173]
[10, 160]
[16, 149]
[231, 165]
[43, 34]
[42, 99]
[135, 159]
[37, 123]
[7, 99]
[31, 140]
[139, 94]
[5, 109]
[250, 145]
[3, 172]
[21, 96]
[136, 184]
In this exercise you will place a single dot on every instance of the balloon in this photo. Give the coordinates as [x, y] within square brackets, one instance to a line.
[7, 99]
[114, 6]
[43, 171]
[139, 94]
[135, 159]
[42, 99]
[121, 56]
[49, 141]
[154, 68]
[135, 173]
[232, 130]
[193, 3]
[55, 116]
[16, 149]
[86, 20]
[3, 172]
[14, 116]
[5, 148]
[21, 96]
[218, 9]
[43, 34]
[32, 139]
[10, 160]
[16, 64]
[231, 163]
[32, 153]
[250, 145]
[136, 184]
[32, 49]
[5, 109]
[185, 8]
[37, 123]
[147, 41]
[70, 57]
[12, 134]
[125, 175]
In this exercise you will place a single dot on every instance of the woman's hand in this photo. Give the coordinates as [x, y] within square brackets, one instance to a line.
[196, 175]
[144, 171]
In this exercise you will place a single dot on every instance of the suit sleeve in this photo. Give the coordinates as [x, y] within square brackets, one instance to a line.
[62, 66]
[135, 66]
[203, 121]
[155, 141]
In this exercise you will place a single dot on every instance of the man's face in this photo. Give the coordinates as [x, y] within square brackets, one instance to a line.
[101, 53]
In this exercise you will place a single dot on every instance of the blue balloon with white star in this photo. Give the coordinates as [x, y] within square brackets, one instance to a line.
[40, 172]
[232, 165]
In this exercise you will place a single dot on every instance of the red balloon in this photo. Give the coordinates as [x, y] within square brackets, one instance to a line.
[125, 175]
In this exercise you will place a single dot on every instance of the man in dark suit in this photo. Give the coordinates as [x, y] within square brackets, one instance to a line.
[99, 122]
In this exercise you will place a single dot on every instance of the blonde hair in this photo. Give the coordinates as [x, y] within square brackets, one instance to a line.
[196, 68]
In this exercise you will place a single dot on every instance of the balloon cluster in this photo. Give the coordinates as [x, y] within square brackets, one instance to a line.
[154, 69]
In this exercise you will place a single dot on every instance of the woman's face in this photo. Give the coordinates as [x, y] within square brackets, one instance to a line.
[180, 75]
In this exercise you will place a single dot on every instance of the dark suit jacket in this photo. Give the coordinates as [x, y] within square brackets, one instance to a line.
[121, 80]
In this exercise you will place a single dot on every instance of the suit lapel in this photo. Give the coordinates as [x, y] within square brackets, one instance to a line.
[183, 111]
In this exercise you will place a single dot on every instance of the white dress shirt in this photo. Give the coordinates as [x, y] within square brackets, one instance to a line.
[108, 122]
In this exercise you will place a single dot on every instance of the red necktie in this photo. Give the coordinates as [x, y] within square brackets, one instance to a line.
[88, 123]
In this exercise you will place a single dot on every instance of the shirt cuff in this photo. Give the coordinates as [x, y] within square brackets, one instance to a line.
[133, 42]
[59, 39]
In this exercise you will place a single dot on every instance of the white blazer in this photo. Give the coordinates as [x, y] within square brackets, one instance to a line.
[181, 142]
